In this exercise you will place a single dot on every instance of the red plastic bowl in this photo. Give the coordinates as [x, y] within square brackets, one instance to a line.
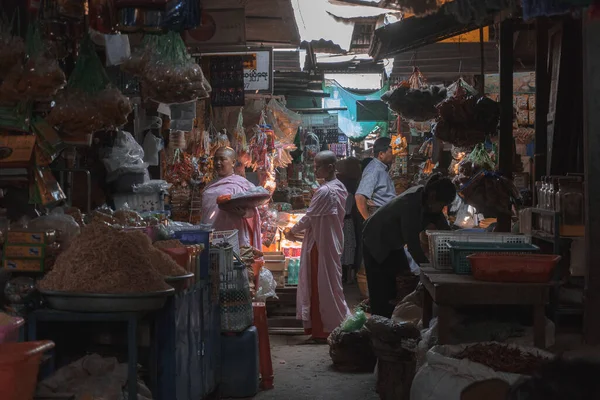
[19, 366]
[10, 332]
[532, 268]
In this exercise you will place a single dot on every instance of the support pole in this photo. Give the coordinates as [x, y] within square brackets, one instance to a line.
[542, 97]
[591, 137]
[482, 61]
[506, 141]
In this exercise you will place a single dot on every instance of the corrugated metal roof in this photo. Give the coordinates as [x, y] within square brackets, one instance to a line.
[286, 61]
[446, 61]
[316, 24]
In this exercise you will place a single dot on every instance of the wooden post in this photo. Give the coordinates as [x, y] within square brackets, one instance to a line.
[482, 61]
[542, 93]
[591, 126]
[506, 141]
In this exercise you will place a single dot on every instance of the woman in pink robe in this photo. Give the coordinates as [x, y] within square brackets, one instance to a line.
[320, 301]
[246, 221]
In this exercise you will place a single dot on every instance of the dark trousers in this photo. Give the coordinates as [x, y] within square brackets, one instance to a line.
[381, 280]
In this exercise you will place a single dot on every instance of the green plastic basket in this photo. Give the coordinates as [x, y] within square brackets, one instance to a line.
[460, 250]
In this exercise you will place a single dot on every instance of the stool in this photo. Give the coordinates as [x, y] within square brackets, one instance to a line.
[264, 346]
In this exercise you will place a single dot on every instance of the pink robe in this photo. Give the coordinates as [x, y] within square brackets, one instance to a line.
[248, 228]
[323, 227]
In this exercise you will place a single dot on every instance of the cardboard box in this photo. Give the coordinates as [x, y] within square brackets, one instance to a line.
[280, 278]
[20, 264]
[26, 237]
[275, 261]
[16, 150]
[24, 251]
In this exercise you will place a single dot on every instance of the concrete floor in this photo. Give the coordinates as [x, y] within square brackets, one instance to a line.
[305, 371]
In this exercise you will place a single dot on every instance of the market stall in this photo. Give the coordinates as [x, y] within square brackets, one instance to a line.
[109, 128]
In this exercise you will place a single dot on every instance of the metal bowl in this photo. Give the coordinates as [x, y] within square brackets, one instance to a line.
[96, 302]
[179, 282]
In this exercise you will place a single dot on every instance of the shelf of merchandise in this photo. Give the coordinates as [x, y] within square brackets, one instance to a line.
[558, 242]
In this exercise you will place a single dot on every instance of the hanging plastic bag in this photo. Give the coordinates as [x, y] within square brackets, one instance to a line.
[285, 123]
[167, 71]
[152, 146]
[126, 156]
[240, 144]
[45, 190]
[90, 103]
[37, 79]
[117, 49]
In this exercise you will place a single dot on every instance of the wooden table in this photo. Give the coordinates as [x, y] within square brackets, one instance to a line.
[449, 291]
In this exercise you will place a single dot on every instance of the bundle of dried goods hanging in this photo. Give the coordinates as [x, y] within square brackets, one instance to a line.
[478, 159]
[167, 71]
[466, 119]
[415, 104]
[36, 78]
[107, 260]
[89, 103]
[490, 193]
[502, 358]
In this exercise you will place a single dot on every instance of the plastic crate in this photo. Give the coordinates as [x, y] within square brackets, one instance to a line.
[197, 236]
[439, 253]
[230, 237]
[460, 251]
[531, 268]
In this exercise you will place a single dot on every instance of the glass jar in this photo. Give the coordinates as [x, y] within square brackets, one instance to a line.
[572, 211]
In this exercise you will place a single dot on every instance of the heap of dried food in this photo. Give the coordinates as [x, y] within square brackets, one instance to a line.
[106, 260]
[37, 78]
[124, 218]
[89, 103]
[166, 70]
[415, 104]
[502, 358]
[466, 119]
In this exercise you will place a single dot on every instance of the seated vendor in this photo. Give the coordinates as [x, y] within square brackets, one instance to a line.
[224, 218]
[398, 224]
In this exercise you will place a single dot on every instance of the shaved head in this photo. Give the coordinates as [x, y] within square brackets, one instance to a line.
[326, 157]
[325, 165]
[224, 161]
[226, 152]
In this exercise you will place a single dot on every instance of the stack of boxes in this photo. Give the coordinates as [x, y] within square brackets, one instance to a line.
[29, 251]
[275, 262]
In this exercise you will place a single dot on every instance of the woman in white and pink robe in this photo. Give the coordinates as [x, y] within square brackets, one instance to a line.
[321, 304]
[246, 221]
